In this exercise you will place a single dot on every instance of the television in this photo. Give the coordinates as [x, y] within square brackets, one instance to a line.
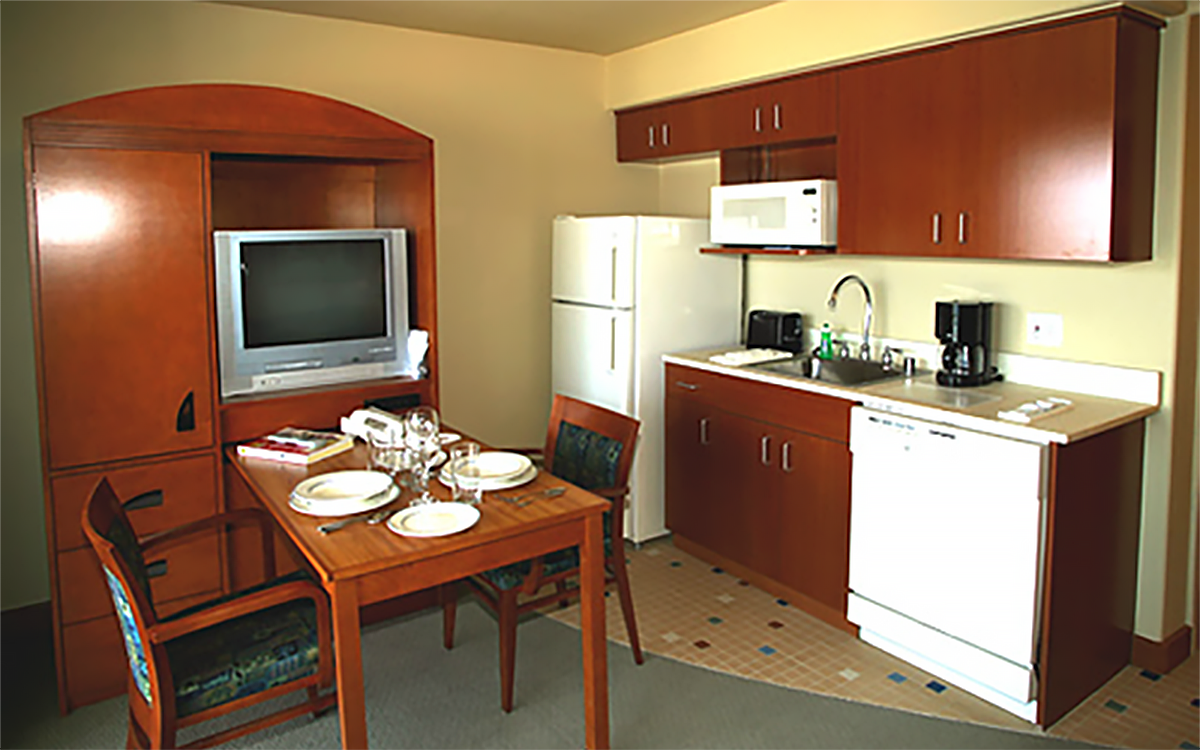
[305, 307]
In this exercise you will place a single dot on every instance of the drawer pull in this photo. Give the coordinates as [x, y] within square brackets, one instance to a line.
[787, 457]
[937, 228]
[151, 499]
[962, 227]
[156, 569]
[766, 450]
[778, 116]
[185, 418]
[704, 431]
[687, 386]
[650, 140]
[758, 119]
[666, 135]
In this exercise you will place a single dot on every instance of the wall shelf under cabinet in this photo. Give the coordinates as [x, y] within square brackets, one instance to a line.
[783, 251]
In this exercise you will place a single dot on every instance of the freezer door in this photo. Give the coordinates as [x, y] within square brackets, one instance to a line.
[592, 260]
[592, 355]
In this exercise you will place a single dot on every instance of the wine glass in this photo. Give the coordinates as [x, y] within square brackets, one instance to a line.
[387, 450]
[421, 429]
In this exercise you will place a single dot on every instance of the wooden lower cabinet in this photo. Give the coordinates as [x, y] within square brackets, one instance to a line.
[752, 485]
[159, 495]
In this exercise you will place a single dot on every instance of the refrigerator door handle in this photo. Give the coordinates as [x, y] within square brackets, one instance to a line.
[612, 342]
[614, 273]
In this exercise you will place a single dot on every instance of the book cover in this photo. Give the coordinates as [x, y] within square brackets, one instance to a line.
[295, 445]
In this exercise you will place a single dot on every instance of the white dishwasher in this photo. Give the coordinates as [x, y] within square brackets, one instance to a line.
[946, 531]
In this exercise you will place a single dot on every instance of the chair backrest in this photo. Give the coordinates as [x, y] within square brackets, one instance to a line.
[107, 527]
[589, 445]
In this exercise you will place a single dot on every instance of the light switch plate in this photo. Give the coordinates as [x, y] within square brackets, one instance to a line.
[1044, 329]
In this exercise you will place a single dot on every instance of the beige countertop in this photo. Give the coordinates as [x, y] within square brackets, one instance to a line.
[971, 408]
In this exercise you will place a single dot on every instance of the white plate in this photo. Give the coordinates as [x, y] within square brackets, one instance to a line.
[434, 519]
[352, 507]
[499, 465]
[492, 485]
[342, 486]
[449, 437]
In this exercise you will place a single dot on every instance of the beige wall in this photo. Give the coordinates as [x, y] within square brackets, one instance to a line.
[1118, 315]
[521, 134]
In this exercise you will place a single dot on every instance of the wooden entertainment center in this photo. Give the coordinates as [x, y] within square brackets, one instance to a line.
[124, 192]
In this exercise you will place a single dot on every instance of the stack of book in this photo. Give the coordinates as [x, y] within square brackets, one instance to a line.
[294, 445]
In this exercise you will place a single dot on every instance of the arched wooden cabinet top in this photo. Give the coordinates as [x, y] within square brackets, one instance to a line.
[233, 118]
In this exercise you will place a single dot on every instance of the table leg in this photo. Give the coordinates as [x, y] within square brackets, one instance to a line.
[347, 646]
[595, 658]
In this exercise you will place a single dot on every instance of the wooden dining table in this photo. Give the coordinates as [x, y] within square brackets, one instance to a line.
[362, 564]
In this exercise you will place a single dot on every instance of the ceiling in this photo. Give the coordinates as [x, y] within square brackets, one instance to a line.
[602, 27]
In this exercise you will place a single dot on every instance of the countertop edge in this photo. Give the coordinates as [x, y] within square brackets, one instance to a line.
[1115, 412]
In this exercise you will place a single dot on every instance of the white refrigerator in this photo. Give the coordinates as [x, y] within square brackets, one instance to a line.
[624, 291]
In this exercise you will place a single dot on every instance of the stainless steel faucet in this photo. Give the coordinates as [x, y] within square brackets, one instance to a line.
[864, 351]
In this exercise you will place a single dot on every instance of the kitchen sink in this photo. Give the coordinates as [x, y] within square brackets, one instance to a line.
[835, 371]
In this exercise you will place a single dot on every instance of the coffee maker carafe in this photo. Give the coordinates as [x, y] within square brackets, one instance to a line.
[965, 331]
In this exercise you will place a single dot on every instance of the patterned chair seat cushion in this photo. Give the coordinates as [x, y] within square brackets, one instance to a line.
[244, 656]
[512, 576]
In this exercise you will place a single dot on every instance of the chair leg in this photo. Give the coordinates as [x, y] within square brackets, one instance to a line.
[627, 605]
[448, 595]
[508, 647]
[561, 587]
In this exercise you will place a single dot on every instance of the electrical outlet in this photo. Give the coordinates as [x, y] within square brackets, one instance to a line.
[1044, 329]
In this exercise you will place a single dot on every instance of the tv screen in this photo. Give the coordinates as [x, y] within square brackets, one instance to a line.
[304, 307]
[303, 292]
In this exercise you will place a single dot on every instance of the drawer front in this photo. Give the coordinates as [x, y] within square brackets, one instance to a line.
[171, 493]
[813, 413]
[191, 569]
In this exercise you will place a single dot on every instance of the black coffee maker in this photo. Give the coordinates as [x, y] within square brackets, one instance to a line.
[965, 330]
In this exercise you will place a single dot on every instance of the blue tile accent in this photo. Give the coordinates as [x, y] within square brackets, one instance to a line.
[718, 570]
[676, 564]
[782, 603]
[1196, 702]
[1112, 705]
[935, 686]
[715, 620]
[766, 650]
[1152, 676]
[1188, 745]
[897, 678]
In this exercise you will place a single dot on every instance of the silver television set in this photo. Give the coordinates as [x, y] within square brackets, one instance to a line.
[306, 307]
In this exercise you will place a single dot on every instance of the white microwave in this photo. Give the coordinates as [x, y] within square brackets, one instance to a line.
[793, 213]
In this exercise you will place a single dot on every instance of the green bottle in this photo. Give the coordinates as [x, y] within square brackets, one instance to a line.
[826, 350]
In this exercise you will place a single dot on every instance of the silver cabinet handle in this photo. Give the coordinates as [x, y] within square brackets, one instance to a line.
[962, 227]
[766, 450]
[687, 386]
[787, 457]
[650, 130]
[704, 431]
[758, 119]
[778, 116]
[666, 140]
[937, 228]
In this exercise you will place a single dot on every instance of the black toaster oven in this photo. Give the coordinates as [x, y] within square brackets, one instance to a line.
[771, 329]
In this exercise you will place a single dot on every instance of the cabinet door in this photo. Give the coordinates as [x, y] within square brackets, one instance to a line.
[901, 154]
[667, 130]
[814, 517]
[794, 109]
[123, 303]
[691, 467]
[746, 452]
[1047, 132]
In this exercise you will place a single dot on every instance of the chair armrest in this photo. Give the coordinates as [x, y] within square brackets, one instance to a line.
[162, 632]
[266, 525]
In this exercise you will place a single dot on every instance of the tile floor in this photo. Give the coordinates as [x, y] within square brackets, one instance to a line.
[689, 611]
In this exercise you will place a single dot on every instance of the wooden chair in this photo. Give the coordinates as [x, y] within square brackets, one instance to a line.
[591, 447]
[214, 658]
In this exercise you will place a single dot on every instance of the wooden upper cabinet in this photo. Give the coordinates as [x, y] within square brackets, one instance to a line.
[122, 297]
[1037, 143]
[793, 109]
[901, 163]
[666, 130]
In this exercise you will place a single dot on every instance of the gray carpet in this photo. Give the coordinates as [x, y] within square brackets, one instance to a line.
[421, 696]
